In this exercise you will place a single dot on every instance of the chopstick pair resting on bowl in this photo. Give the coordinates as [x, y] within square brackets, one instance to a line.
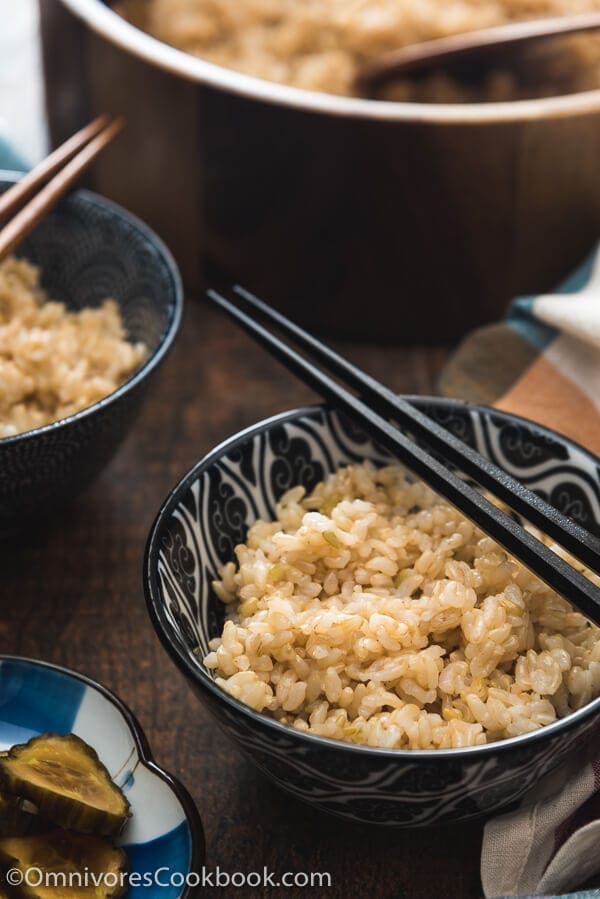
[66, 164]
[396, 425]
[81, 253]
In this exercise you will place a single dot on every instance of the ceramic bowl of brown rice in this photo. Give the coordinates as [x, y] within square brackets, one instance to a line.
[367, 647]
[89, 307]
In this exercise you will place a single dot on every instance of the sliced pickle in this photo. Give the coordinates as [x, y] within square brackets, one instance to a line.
[68, 783]
[17, 819]
[66, 865]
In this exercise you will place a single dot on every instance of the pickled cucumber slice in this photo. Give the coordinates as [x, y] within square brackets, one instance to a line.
[67, 865]
[68, 783]
[17, 820]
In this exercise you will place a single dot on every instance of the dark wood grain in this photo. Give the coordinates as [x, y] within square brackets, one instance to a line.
[72, 594]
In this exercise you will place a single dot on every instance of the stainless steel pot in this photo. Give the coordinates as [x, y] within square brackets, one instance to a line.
[392, 221]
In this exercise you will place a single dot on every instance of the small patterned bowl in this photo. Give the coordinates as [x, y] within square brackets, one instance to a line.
[89, 249]
[210, 511]
[165, 833]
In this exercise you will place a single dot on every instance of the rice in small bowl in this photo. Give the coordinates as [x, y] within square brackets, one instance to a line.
[365, 645]
[54, 362]
[74, 369]
[372, 611]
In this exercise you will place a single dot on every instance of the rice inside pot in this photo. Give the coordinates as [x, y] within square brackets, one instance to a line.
[320, 45]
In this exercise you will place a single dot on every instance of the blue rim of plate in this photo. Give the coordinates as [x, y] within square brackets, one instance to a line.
[200, 678]
[198, 844]
[167, 338]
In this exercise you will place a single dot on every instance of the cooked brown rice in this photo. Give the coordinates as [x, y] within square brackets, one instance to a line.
[320, 44]
[371, 611]
[53, 362]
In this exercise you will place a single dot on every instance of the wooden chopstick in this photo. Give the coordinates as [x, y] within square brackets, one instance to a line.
[26, 220]
[574, 538]
[15, 195]
[534, 554]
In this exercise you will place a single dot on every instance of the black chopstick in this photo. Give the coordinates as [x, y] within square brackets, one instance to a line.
[534, 554]
[574, 538]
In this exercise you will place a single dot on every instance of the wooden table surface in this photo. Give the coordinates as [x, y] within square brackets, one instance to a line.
[72, 594]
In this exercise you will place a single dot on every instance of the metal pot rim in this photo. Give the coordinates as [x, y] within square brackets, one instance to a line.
[105, 22]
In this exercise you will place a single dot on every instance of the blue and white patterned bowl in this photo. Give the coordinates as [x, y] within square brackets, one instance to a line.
[90, 249]
[210, 511]
[165, 831]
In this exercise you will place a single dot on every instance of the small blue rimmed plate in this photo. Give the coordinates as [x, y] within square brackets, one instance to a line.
[165, 832]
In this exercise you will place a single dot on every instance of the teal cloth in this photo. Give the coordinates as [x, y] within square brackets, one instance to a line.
[9, 159]
[586, 894]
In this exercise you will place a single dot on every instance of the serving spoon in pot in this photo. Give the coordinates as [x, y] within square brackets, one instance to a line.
[478, 47]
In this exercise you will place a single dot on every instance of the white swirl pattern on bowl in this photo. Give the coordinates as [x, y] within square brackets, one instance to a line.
[240, 481]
